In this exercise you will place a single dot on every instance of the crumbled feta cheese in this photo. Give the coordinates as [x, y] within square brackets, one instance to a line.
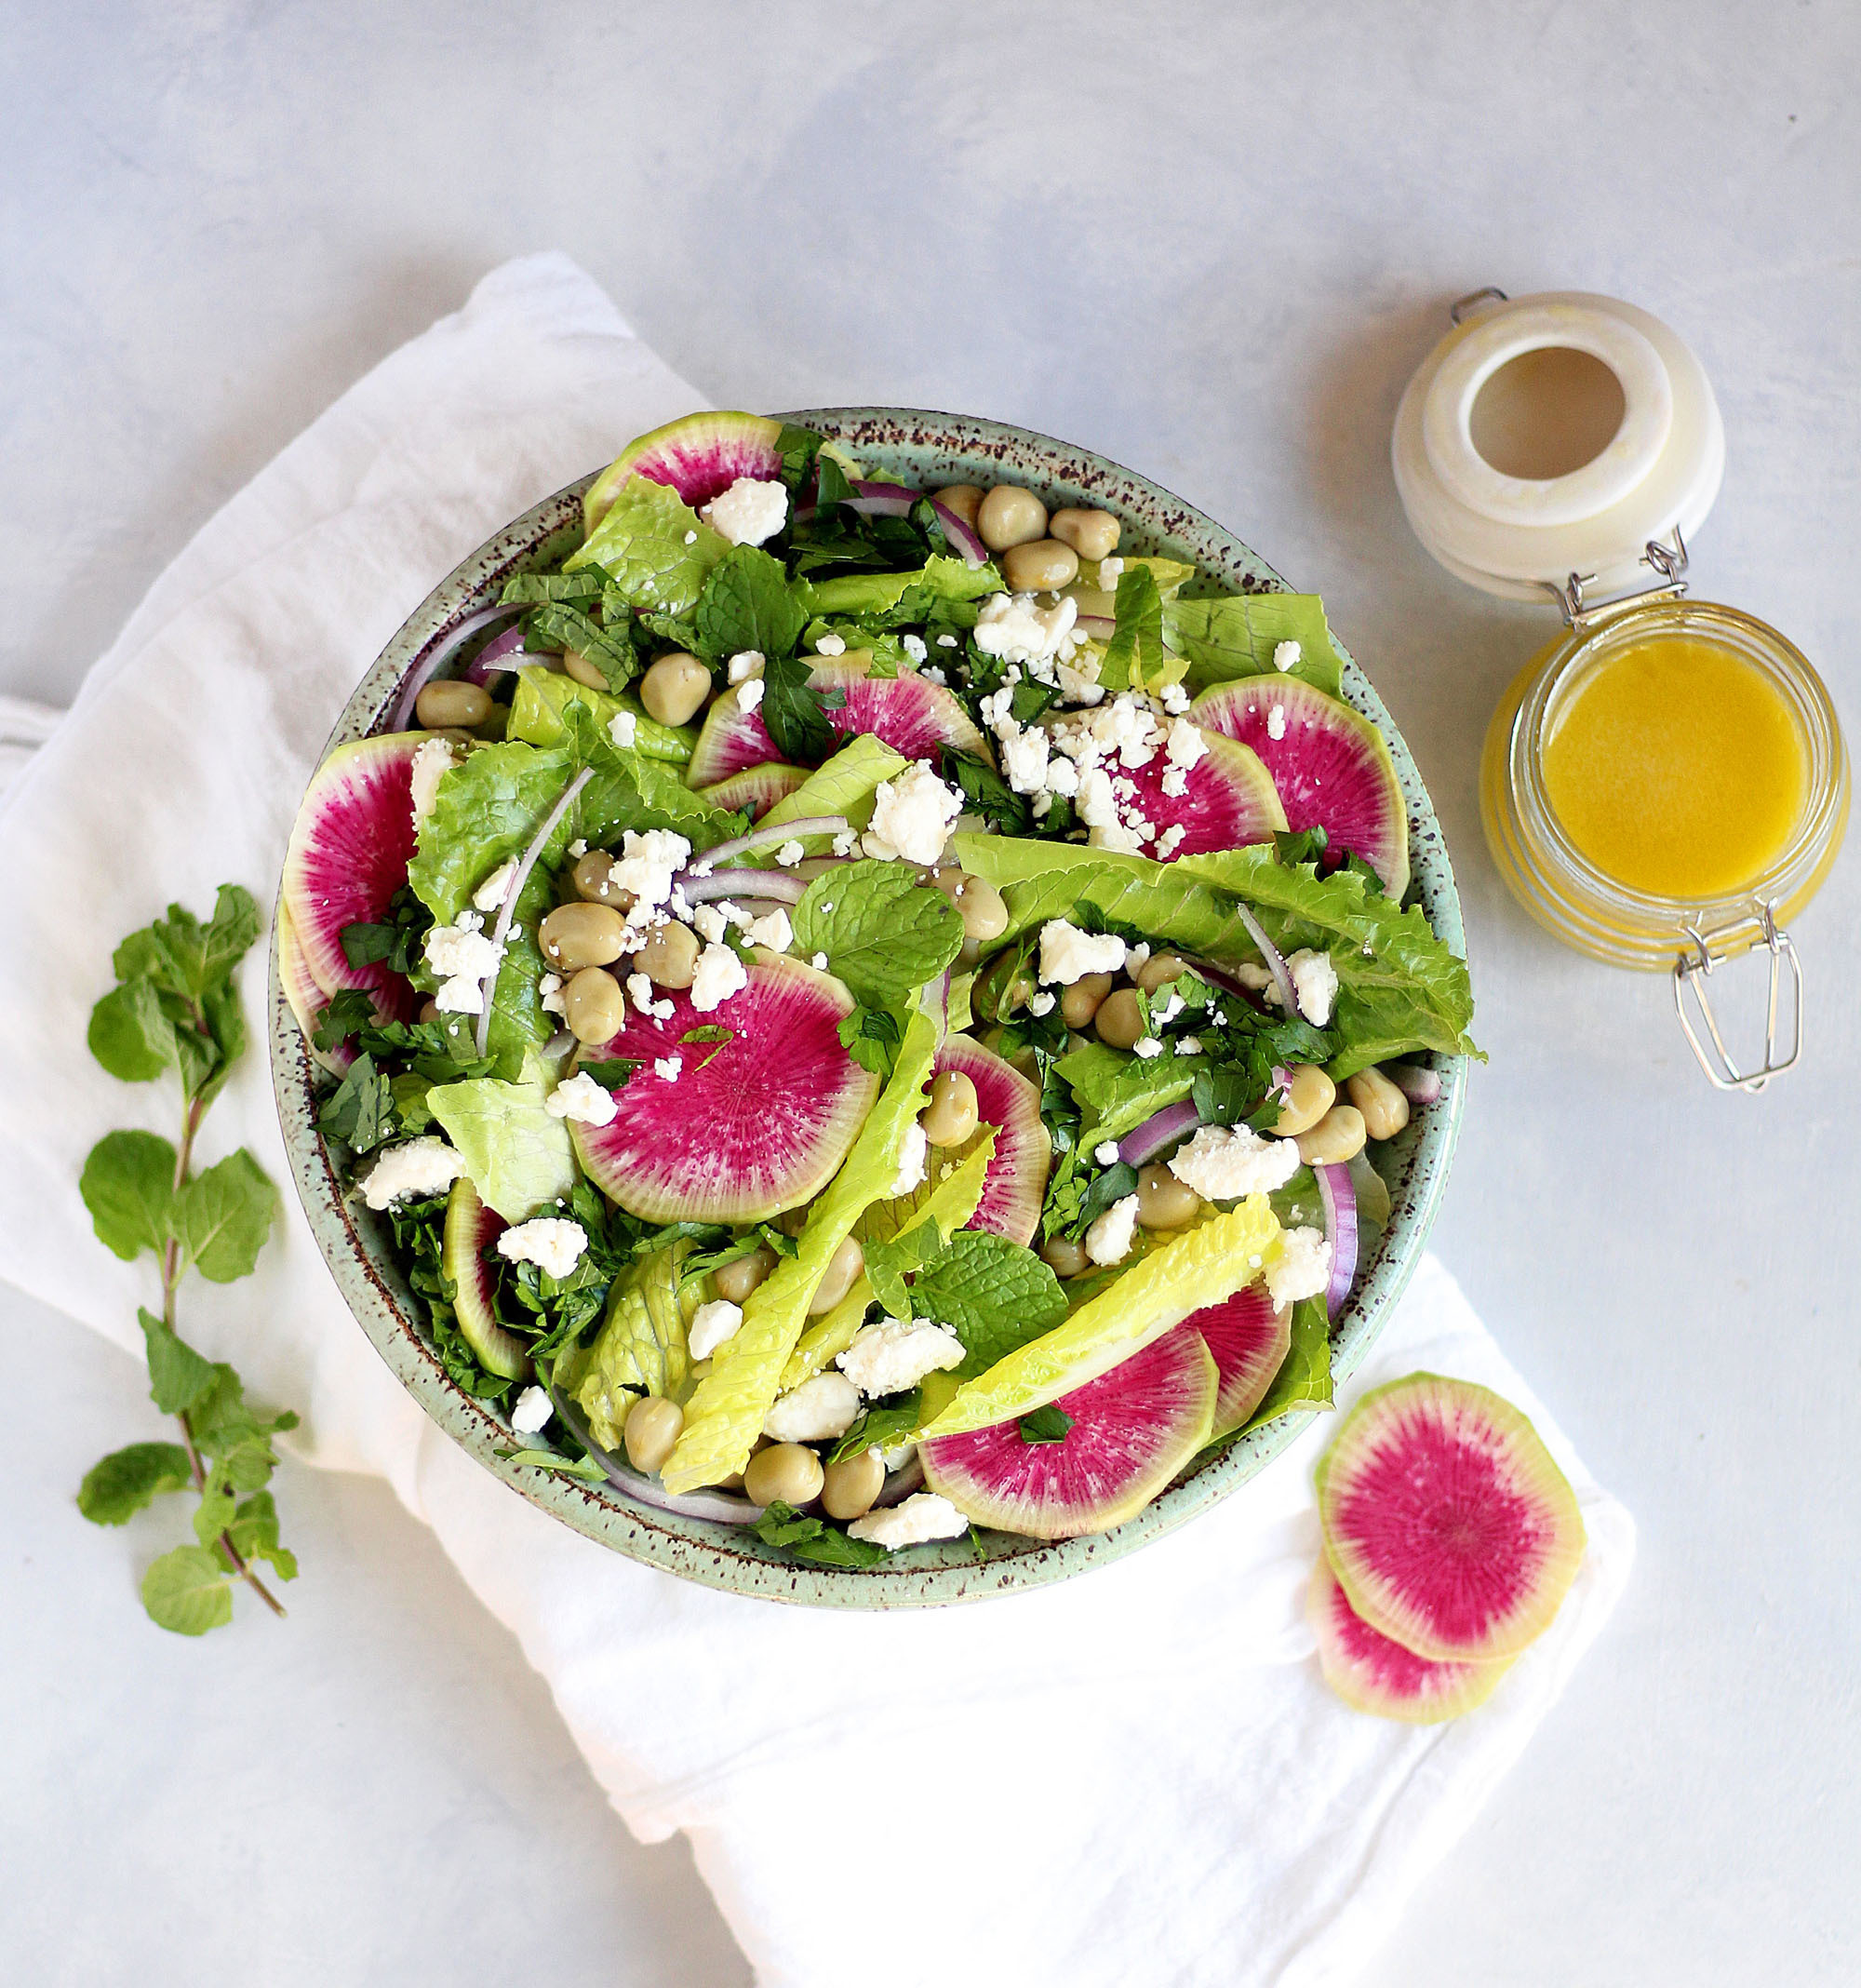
[791, 853]
[815, 1412]
[1109, 1238]
[579, 847]
[1223, 1162]
[1175, 699]
[465, 958]
[1256, 980]
[718, 974]
[623, 728]
[1186, 742]
[746, 664]
[894, 1354]
[1286, 654]
[912, 817]
[1276, 722]
[911, 1156]
[641, 988]
[668, 1067]
[490, 894]
[712, 1324]
[914, 647]
[411, 1171]
[1024, 758]
[709, 922]
[1175, 783]
[924, 1515]
[1011, 626]
[831, 644]
[1040, 1005]
[1302, 1268]
[531, 1412]
[660, 1010]
[549, 995]
[1062, 778]
[1169, 841]
[845, 841]
[553, 1245]
[1148, 1046]
[690, 538]
[946, 641]
[1096, 806]
[1315, 985]
[646, 866]
[581, 1098]
[1076, 688]
[1106, 1152]
[772, 930]
[749, 512]
[1067, 953]
[749, 695]
[433, 759]
[1110, 571]
[1189, 1045]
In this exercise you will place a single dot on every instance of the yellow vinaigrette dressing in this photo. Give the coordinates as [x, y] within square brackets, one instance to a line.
[1676, 768]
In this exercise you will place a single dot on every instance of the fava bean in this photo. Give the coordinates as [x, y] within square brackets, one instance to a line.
[1159, 970]
[1093, 534]
[593, 1007]
[853, 1485]
[582, 934]
[1081, 1002]
[1385, 1108]
[1119, 1020]
[788, 1471]
[592, 878]
[964, 499]
[675, 687]
[1042, 566]
[1064, 1257]
[669, 958]
[1011, 516]
[1163, 1201]
[842, 1272]
[1309, 1095]
[952, 1114]
[584, 669]
[449, 701]
[1339, 1135]
[738, 1278]
[651, 1429]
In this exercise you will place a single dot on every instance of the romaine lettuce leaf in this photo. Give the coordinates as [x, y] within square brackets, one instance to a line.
[726, 1413]
[656, 551]
[944, 578]
[844, 786]
[544, 696]
[642, 1346]
[1400, 988]
[1201, 1267]
[519, 1158]
[1236, 636]
[827, 1337]
[1124, 1090]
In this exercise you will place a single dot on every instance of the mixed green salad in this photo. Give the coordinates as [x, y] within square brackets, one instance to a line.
[868, 1012]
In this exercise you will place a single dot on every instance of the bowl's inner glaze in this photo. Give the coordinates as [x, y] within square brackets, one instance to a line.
[922, 450]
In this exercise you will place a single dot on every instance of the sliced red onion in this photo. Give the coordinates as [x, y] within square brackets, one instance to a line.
[769, 834]
[560, 1045]
[723, 1507]
[444, 650]
[492, 660]
[1338, 1194]
[1418, 1085]
[882, 499]
[900, 1484]
[1276, 962]
[962, 536]
[1162, 1128]
[1098, 627]
[777, 884]
[520, 877]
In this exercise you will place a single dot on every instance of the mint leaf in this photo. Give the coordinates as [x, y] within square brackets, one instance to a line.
[879, 1428]
[214, 1513]
[884, 933]
[183, 956]
[351, 1010]
[360, 1111]
[531, 588]
[128, 1033]
[746, 603]
[986, 792]
[223, 1216]
[560, 626]
[1045, 1425]
[993, 1294]
[814, 1539]
[186, 1592]
[127, 1184]
[127, 1480]
[254, 1533]
[179, 1377]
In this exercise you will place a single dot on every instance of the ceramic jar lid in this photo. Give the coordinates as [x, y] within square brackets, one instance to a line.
[1519, 536]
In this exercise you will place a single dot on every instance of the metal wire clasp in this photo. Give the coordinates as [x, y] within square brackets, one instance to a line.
[1691, 970]
[1668, 561]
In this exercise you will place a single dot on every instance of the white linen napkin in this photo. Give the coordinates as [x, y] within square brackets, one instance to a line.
[1136, 1776]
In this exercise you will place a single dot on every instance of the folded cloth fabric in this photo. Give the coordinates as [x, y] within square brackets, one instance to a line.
[1137, 1776]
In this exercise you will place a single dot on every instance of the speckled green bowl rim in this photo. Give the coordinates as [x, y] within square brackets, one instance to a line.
[922, 448]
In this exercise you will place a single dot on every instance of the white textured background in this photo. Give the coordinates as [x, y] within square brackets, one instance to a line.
[1210, 241]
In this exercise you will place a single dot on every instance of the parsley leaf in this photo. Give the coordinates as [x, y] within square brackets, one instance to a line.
[1045, 1425]
[814, 1539]
[794, 713]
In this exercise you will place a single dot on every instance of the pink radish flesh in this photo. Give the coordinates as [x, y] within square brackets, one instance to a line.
[1372, 1672]
[1250, 1337]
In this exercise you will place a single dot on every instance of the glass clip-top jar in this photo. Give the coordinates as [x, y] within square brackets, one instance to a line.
[1665, 784]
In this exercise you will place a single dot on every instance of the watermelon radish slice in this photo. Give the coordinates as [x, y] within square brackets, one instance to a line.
[1229, 799]
[307, 1000]
[1133, 1429]
[1445, 1520]
[1016, 1181]
[1372, 1674]
[349, 851]
[1250, 1337]
[699, 457]
[1331, 768]
[757, 788]
[747, 1127]
[471, 1229]
[909, 714]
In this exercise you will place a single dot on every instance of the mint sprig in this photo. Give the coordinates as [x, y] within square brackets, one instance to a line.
[175, 1007]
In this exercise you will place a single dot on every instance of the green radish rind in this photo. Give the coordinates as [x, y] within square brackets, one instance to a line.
[757, 788]
[471, 1229]
[1372, 1673]
[1446, 1523]
[1133, 1428]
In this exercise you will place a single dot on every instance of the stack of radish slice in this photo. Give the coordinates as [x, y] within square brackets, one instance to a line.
[1451, 1538]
